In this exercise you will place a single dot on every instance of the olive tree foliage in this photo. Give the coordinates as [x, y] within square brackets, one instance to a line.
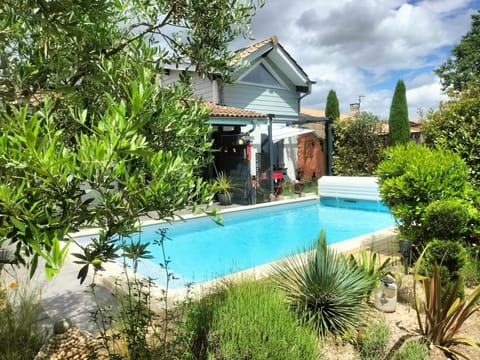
[463, 68]
[87, 135]
[332, 109]
[398, 122]
[49, 189]
[67, 46]
[358, 145]
[456, 126]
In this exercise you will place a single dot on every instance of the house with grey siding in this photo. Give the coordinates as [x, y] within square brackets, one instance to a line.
[255, 117]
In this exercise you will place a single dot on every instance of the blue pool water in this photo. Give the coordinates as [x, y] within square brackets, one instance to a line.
[201, 250]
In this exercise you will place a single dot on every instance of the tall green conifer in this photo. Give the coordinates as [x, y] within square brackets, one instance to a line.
[332, 109]
[399, 125]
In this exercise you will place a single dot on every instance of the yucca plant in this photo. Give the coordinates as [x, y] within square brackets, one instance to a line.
[444, 313]
[324, 287]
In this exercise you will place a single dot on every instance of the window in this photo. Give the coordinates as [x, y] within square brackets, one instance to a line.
[261, 75]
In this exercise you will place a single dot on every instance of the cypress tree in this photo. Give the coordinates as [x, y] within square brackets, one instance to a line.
[398, 122]
[332, 109]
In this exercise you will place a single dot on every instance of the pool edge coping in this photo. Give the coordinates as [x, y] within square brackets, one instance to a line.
[112, 276]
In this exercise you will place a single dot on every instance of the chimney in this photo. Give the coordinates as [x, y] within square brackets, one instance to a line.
[354, 109]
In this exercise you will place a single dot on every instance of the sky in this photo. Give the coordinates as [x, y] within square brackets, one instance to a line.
[361, 48]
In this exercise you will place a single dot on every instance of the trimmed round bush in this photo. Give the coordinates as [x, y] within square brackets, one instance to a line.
[449, 254]
[451, 258]
[446, 219]
[412, 177]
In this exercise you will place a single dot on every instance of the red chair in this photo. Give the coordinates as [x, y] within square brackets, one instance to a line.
[277, 182]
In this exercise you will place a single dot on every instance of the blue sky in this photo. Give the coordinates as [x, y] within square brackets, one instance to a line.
[363, 47]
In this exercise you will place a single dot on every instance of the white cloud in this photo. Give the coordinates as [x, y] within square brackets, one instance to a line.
[424, 97]
[364, 47]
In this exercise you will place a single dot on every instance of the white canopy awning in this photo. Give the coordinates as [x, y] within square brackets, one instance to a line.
[286, 132]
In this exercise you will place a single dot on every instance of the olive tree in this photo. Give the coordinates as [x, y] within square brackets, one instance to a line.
[87, 135]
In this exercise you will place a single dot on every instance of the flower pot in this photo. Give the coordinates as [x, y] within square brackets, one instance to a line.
[224, 199]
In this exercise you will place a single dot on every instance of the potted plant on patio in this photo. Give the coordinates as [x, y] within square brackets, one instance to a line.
[224, 187]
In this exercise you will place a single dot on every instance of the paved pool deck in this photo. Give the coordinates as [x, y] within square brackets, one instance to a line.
[64, 296]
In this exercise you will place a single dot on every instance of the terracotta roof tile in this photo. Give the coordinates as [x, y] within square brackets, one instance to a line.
[250, 49]
[415, 125]
[230, 111]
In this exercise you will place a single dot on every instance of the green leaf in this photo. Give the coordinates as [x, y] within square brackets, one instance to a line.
[20, 225]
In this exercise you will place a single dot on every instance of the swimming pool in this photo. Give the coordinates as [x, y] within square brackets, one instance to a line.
[200, 250]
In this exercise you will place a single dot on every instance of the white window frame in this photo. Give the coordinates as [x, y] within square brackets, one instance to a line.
[270, 70]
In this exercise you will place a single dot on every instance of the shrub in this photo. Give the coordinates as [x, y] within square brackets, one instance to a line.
[471, 270]
[288, 188]
[373, 344]
[324, 286]
[132, 329]
[249, 320]
[412, 350]
[450, 254]
[411, 177]
[451, 257]
[455, 126]
[444, 312]
[446, 219]
[21, 337]
[358, 147]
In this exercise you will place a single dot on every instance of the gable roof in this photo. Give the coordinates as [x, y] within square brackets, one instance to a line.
[272, 49]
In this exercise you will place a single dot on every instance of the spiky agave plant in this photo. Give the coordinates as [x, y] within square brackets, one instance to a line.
[324, 287]
[445, 313]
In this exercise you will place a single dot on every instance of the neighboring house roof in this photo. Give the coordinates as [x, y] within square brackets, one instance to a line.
[318, 129]
[313, 113]
[311, 118]
[416, 125]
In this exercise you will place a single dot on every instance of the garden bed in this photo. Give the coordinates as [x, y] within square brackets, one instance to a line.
[403, 326]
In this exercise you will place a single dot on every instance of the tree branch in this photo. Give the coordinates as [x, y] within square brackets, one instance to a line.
[150, 28]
